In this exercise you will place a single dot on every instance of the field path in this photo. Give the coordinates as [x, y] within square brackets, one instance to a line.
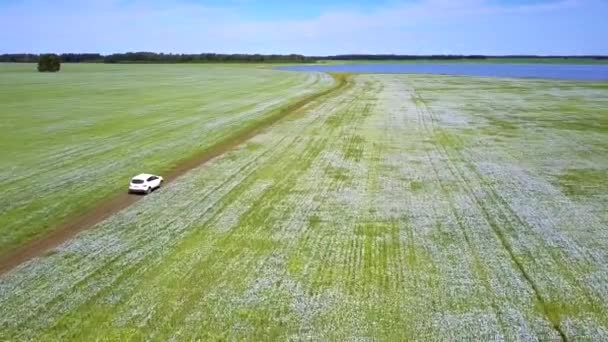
[70, 228]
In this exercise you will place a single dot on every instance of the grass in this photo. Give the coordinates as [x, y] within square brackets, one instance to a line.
[74, 138]
[577, 182]
[388, 210]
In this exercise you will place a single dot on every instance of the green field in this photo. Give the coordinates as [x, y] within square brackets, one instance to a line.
[76, 137]
[399, 207]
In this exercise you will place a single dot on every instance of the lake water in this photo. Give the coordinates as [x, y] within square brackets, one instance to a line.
[586, 72]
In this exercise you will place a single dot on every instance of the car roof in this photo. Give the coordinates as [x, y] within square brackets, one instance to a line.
[143, 176]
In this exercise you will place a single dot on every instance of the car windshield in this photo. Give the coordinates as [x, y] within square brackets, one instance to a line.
[137, 181]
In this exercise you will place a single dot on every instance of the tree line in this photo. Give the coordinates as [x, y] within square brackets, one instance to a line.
[152, 57]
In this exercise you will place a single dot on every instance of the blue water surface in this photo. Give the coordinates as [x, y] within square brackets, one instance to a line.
[585, 72]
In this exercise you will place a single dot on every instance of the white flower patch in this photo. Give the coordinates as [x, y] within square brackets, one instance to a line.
[271, 275]
[468, 326]
[230, 217]
[585, 328]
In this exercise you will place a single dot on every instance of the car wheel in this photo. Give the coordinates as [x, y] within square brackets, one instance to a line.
[149, 190]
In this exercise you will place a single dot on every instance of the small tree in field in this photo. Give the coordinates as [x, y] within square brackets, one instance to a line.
[49, 62]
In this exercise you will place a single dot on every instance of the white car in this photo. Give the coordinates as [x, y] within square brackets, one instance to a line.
[145, 183]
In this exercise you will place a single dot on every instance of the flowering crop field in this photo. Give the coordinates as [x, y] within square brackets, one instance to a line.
[399, 208]
[69, 140]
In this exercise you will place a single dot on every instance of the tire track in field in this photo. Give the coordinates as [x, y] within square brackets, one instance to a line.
[70, 228]
[399, 253]
[477, 259]
[511, 218]
[431, 126]
[508, 214]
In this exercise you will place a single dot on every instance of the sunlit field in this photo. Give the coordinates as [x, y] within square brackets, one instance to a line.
[397, 208]
[71, 139]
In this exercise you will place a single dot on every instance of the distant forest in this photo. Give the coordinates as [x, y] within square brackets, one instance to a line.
[151, 57]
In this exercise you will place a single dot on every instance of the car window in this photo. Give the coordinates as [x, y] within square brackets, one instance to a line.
[137, 181]
[151, 178]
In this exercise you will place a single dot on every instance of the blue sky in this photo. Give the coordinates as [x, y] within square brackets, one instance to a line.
[311, 27]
